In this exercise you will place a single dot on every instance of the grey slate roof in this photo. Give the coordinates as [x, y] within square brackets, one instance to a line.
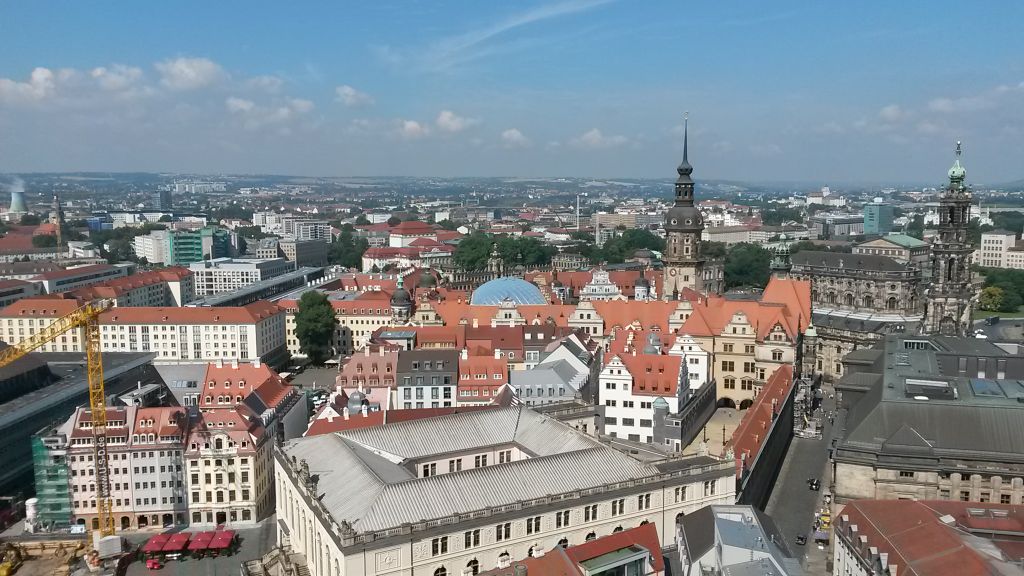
[553, 374]
[465, 431]
[362, 478]
[846, 261]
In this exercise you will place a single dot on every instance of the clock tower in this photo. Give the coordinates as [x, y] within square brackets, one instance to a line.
[684, 266]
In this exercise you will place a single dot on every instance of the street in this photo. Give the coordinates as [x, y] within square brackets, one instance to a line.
[792, 503]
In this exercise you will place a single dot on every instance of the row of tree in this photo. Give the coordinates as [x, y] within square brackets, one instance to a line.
[1003, 291]
[474, 251]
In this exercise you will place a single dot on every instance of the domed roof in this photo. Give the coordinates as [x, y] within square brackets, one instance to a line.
[683, 218]
[400, 297]
[507, 288]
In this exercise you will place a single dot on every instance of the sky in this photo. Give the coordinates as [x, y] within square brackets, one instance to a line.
[817, 92]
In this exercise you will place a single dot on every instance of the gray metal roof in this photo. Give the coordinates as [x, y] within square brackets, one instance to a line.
[416, 439]
[846, 261]
[558, 373]
[363, 475]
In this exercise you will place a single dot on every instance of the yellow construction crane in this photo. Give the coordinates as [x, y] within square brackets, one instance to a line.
[86, 317]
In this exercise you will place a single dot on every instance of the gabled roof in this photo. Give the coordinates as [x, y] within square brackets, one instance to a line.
[753, 430]
[653, 375]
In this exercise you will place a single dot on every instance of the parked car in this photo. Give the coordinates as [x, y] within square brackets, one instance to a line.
[814, 484]
[801, 539]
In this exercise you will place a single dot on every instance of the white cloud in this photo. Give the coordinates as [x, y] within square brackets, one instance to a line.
[412, 130]
[594, 139]
[891, 113]
[265, 82]
[351, 97]
[255, 116]
[513, 138]
[236, 105]
[451, 122]
[41, 84]
[116, 78]
[189, 73]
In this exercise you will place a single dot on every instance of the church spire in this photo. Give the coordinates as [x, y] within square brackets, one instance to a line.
[685, 169]
[957, 173]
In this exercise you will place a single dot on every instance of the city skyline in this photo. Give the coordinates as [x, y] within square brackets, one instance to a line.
[572, 88]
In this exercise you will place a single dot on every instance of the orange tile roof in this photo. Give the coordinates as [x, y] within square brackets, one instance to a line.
[412, 227]
[653, 374]
[248, 314]
[625, 313]
[916, 542]
[40, 307]
[118, 286]
[167, 421]
[757, 420]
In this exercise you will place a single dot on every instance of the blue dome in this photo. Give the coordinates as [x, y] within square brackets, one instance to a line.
[515, 289]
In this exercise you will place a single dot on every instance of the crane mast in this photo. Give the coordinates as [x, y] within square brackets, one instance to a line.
[87, 317]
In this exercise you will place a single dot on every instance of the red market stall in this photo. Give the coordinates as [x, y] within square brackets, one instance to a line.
[176, 545]
[200, 543]
[223, 542]
[155, 545]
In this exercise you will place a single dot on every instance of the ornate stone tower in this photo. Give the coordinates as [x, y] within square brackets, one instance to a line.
[781, 265]
[684, 266]
[401, 304]
[948, 301]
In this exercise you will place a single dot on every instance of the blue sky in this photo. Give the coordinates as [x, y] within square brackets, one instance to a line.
[821, 92]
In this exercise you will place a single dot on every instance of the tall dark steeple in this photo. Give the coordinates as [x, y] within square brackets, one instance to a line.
[684, 266]
[949, 296]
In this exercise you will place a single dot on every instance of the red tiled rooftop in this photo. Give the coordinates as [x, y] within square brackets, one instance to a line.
[248, 314]
[757, 420]
[72, 272]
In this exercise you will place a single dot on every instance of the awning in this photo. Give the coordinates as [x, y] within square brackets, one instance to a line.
[222, 539]
[177, 542]
[820, 535]
[201, 541]
[156, 543]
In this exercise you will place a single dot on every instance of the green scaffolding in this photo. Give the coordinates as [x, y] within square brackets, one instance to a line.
[52, 487]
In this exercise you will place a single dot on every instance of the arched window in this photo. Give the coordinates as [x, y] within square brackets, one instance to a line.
[645, 522]
[868, 302]
[617, 530]
[591, 536]
[218, 443]
[564, 543]
[473, 566]
[848, 299]
[891, 303]
[950, 269]
[442, 571]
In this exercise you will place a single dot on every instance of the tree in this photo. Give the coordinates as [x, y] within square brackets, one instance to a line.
[394, 221]
[991, 298]
[916, 227]
[347, 250]
[746, 265]
[582, 236]
[362, 220]
[166, 218]
[314, 326]
[1012, 299]
[713, 250]
[44, 241]
[254, 232]
[780, 215]
[447, 225]
[619, 248]
[473, 251]
[30, 220]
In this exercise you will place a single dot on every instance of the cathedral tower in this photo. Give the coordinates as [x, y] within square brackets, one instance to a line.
[684, 267]
[948, 307]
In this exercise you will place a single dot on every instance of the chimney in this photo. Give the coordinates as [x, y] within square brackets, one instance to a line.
[465, 354]
[256, 363]
[234, 363]
[366, 351]
[497, 353]
[220, 363]
[344, 412]
[476, 323]
[330, 416]
[365, 410]
[381, 351]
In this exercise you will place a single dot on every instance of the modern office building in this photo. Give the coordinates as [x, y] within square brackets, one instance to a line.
[878, 217]
[221, 275]
[171, 247]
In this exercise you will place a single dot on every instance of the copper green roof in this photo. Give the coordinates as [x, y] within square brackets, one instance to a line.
[905, 241]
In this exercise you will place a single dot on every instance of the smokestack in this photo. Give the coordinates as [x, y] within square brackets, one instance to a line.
[18, 202]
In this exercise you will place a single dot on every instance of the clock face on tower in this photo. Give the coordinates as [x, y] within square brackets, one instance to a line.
[672, 272]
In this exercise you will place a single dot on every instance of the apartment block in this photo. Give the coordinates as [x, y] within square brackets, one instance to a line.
[221, 275]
